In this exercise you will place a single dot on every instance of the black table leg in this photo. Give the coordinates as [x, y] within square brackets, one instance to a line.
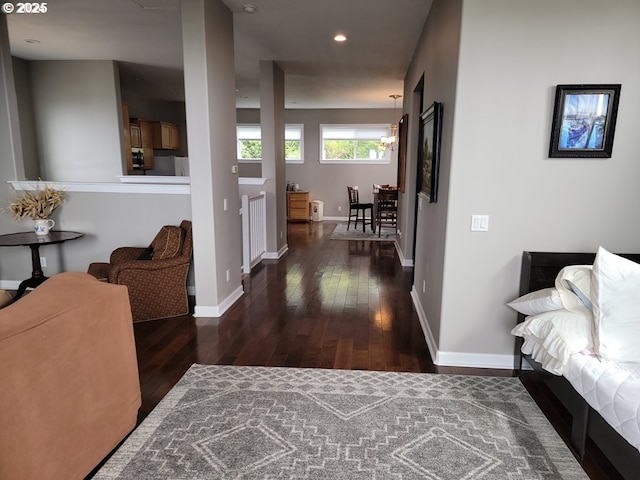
[37, 275]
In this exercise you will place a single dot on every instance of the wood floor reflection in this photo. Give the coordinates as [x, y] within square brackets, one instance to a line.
[325, 304]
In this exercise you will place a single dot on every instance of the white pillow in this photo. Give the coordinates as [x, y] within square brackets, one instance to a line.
[584, 297]
[616, 307]
[552, 337]
[540, 301]
[578, 277]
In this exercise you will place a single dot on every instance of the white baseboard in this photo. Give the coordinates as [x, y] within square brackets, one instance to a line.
[218, 310]
[426, 330]
[457, 359]
[276, 255]
[9, 284]
[476, 360]
[405, 262]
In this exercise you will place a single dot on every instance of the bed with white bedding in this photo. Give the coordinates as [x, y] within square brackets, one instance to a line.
[579, 328]
[612, 389]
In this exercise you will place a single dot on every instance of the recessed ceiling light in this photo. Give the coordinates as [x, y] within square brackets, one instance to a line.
[340, 38]
[248, 8]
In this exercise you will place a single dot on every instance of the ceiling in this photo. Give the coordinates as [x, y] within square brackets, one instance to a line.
[145, 37]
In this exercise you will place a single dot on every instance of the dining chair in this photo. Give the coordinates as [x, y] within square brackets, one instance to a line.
[387, 209]
[355, 205]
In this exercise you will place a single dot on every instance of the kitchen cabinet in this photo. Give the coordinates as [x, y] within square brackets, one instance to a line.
[136, 141]
[126, 131]
[166, 136]
[146, 133]
[298, 206]
[146, 141]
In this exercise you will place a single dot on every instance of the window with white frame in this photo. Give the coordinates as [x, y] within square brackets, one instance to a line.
[294, 143]
[249, 146]
[353, 143]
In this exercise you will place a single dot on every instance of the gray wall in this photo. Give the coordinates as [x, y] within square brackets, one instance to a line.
[209, 78]
[437, 60]
[495, 157]
[108, 220]
[273, 165]
[82, 140]
[21, 73]
[328, 182]
[11, 159]
[85, 131]
[252, 170]
[11, 164]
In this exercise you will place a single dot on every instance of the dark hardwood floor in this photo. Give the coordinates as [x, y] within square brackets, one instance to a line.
[326, 304]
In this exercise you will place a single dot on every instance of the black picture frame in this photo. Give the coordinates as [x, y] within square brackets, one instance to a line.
[584, 121]
[402, 151]
[429, 152]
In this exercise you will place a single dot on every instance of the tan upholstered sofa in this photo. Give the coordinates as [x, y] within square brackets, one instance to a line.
[69, 386]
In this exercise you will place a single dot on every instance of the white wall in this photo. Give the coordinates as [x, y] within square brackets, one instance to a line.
[78, 120]
[512, 55]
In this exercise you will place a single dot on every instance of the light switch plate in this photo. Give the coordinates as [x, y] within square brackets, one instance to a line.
[479, 223]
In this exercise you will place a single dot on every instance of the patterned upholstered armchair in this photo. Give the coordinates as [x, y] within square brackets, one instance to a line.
[156, 276]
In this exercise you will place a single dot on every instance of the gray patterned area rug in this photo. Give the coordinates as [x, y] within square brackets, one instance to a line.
[226, 422]
[387, 234]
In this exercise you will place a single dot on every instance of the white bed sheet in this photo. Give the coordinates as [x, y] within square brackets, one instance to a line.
[610, 388]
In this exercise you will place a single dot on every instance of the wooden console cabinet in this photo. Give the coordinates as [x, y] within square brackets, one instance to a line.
[298, 206]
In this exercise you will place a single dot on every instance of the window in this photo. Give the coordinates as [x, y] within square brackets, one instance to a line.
[294, 143]
[249, 145]
[353, 144]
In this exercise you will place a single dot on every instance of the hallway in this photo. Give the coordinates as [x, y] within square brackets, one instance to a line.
[325, 304]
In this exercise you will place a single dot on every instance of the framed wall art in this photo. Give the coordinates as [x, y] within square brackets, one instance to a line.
[429, 152]
[402, 151]
[584, 121]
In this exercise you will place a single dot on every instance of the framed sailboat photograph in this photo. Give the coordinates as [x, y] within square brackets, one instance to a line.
[584, 121]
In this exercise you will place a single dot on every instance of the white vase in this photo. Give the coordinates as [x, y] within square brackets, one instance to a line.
[42, 226]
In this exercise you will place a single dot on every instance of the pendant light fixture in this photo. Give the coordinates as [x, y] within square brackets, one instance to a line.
[391, 142]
